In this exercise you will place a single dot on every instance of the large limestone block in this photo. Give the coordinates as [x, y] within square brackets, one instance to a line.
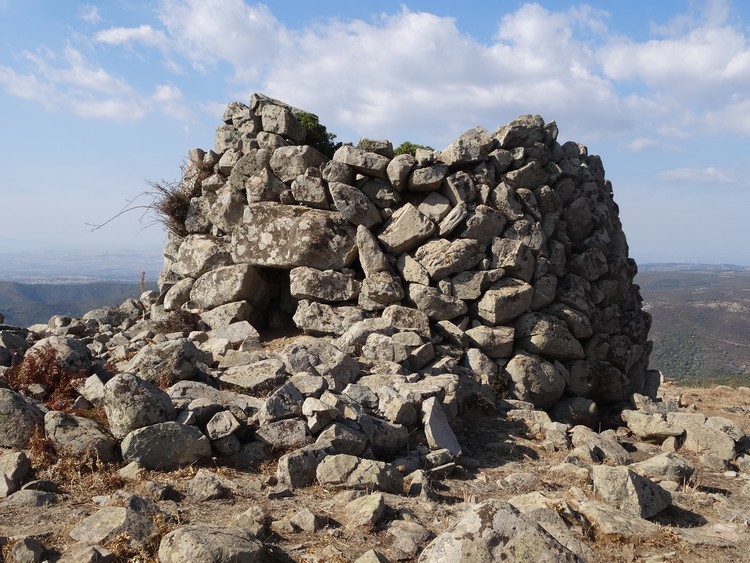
[437, 430]
[428, 179]
[630, 492]
[289, 162]
[514, 257]
[441, 257]
[344, 470]
[535, 380]
[286, 236]
[496, 342]
[436, 305]
[472, 146]
[406, 230]
[131, 402]
[547, 336]
[367, 163]
[80, 435]
[281, 121]
[495, 531]
[320, 318]
[165, 446]
[19, 420]
[227, 284]
[325, 285]
[505, 300]
[353, 205]
[371, 256]
[203, 542]
[198, 254]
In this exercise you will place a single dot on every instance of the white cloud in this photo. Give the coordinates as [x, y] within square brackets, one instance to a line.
[144, 34]
[67, 81]
[708, 175]
[641, 143]
[90, 14]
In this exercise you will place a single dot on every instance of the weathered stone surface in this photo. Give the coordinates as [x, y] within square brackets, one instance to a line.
[353, 205]
[198, 254]
[496, 342]
[298, 468]
[668, 466]
[281, 121]
[514, 257]
[167, 362]
[286, 236]
[471, 146]
[495, 531]
[612, 522]
[630, 492]
[442, 258]
[111, 521]
[227, 284]
[651, 427]
[504, 301]
[289, 162]
[364, 511]
[202, 542]
[398, 171]
[435, 304]
[427, 179]
[80, 435]
[326, 285]
[438, 431]
[165, 446]
[131, 402]
[547, 336]
[371, 257]
[14, 468]
[535, 380]
[406, 230]
[368, 163]
[321, 318]
[18, 420]
[349, 471]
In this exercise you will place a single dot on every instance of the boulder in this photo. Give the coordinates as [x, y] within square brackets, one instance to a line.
[165, 446]
[131, 403]
[495, 531]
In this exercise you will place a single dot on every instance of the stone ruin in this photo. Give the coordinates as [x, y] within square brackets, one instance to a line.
[500, 259]
[449, 299]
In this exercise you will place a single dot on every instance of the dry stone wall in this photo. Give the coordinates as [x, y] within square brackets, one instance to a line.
[500, 258]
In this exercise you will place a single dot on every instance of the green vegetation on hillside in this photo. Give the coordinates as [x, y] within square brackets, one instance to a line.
[701, 323]
[27, 304]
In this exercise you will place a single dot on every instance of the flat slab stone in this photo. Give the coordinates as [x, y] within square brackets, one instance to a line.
[287, 236]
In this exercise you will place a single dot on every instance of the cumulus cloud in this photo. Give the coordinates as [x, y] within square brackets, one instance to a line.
[708, 175]
[394, 72]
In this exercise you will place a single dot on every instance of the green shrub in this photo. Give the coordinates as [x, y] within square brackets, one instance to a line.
[318, 136]
[409, 148]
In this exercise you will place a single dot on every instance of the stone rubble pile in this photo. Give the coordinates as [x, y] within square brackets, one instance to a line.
[492, 273]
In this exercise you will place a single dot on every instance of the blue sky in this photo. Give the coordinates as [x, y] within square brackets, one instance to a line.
[98, 98]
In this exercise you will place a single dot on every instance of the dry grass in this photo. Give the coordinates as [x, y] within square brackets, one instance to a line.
[44, 368]
[178, 321]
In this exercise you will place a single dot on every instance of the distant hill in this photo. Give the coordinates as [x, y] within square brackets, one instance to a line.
[26, 304]
[701, 319]
[697, 268]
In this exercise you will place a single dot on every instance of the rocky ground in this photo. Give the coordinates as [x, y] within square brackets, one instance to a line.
[665, 480]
